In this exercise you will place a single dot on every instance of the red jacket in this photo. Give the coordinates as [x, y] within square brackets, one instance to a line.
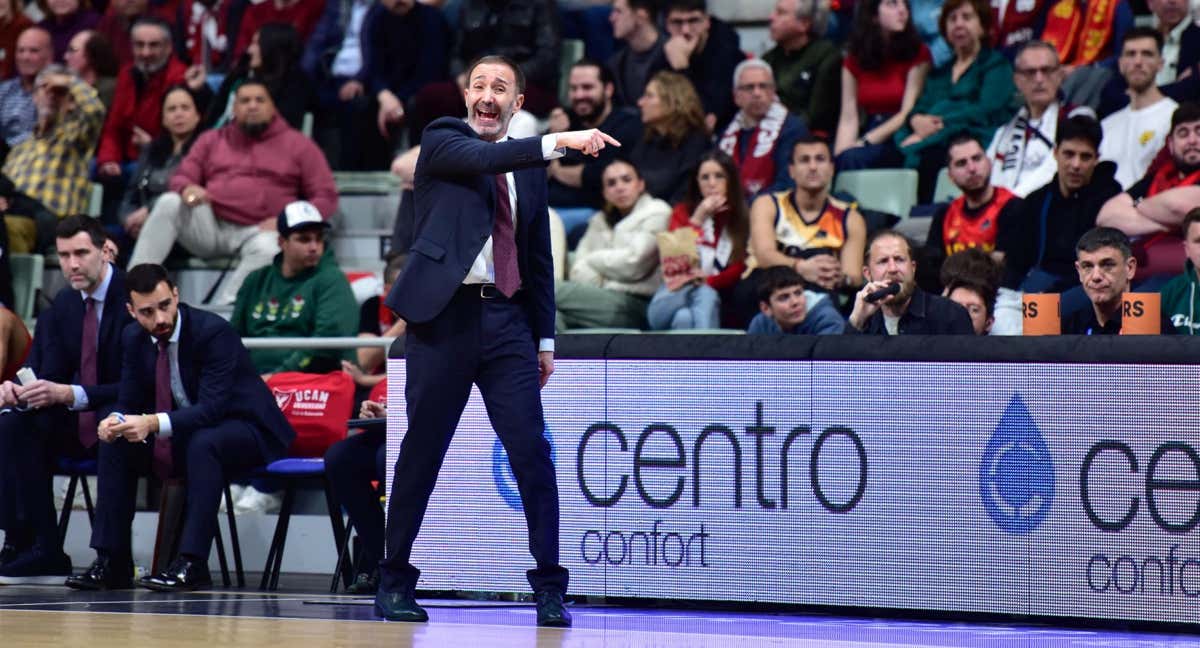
[303, 15]
[131, 108]
[250, 180]
[681, 217]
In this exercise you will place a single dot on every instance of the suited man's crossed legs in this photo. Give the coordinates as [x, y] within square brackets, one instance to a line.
[487, 343]
[212, 456]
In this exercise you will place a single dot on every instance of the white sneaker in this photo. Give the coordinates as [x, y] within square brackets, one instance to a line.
[235, 493]
[255, 501]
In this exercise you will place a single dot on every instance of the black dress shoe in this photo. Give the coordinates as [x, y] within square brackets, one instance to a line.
[183, 575]
[400, 606]
[551, 611]
[8, 553]
[104, 574]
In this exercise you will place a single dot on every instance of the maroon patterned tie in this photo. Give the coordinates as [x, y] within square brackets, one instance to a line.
[87, 369]
[163, 402]
[504, 246]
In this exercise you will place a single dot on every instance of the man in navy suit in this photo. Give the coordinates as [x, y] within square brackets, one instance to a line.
[213, 419]
[478, 295]
[77, 361]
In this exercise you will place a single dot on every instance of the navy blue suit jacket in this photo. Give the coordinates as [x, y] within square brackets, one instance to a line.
[455, 201]
[218, 376]
[58, 339]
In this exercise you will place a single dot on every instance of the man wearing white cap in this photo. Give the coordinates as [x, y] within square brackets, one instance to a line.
[302, 293]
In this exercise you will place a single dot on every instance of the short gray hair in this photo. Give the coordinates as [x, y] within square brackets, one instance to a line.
[817, 12]
[751, 64]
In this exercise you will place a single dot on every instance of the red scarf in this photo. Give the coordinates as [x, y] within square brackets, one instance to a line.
[1079, 33]
[1169, 177]
[758, 166]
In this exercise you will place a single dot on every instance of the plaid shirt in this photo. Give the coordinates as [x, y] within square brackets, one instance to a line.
[18, 115]
[52, 167]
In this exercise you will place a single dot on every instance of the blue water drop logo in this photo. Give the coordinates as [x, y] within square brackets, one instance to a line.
[502, 474]
[1016, 473]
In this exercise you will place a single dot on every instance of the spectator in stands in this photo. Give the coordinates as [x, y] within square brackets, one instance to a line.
[75, 380]
[783, 307]
[65, 18]
[911, 311]
[51, 167]
[1017, 23]
[715, 210]
[973, 219]
[1106, 266]
[300, 14]
[302, 293]
[206, 29]
[181, 125]
[526, 31]
[1135, 134]
[704, 49]
[574, 180]
[635, 22]
[90, 56]
[135, 117]
[807, 229]
[972, 93]
[1037, 243]
[674, 135]
[1153, 208]
[806, 65]
[368, 63]
[1181, 295]
[761, 136]
[13, 21]
[18, 114]
[616, 263]
[1181, 39]
[882, 75]
[273, 58]
[1023, 148]
[15, 342]
[971, 278]
[376, 320]
[229, 187]
[350, 466]
[117, 21]
[926, 15]
[979, 300]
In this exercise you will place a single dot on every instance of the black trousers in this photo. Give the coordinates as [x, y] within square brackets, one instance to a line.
[207, 460]
[350, 466]
[487, 342]
[30, 444]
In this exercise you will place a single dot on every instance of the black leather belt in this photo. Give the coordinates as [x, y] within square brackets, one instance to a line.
[485, 291]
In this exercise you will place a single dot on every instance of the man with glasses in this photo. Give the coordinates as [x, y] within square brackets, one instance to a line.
[705, 50]
[135, 118]
[761, 136]
[807, 67]
[1022, 150]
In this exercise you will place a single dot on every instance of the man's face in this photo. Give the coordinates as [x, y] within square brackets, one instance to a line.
[976, 308]
[253, 109]
[492, 99]
[81, 261]
[1184, 145]
[969, 167]
[589, 97]
[303, 249]
[1191, 244]
[1169, 12]
[1077, 160]
[754, 92]
[784, 23]
[1139, 63]
[151, 48]
[1105, 274]
[788, 307]
[623, 19]
[689, 25]
[34, 51]
[156, 311]
[812, 167]
[1038, 76]
[890, 260]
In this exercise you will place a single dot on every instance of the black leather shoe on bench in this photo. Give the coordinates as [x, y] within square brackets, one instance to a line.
[551, 611]
[104, 574]
[182, 576]
[400, 606]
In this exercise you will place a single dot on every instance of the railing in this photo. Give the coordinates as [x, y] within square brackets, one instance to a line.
[317, 343]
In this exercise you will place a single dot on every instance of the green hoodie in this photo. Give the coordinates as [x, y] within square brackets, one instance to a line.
[315, 303]
[1181, 301]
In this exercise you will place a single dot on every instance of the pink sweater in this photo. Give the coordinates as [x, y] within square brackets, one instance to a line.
[250, 180]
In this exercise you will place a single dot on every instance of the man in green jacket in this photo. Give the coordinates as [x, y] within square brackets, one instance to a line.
[302, 293]
[1181, 296]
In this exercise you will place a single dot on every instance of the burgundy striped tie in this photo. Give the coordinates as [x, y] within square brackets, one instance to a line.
[87, 369]
[163, 402]
[504, 246]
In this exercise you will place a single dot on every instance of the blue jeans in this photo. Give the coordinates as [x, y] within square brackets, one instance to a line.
[696, 306]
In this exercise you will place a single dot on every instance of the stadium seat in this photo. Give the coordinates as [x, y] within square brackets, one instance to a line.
[572, 51]
[558, 246]
[293, 472]
[945, 190]
[893, 191]
[27, 281]
[78, 470]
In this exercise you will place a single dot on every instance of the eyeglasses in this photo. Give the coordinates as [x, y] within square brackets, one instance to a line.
[1030, 73]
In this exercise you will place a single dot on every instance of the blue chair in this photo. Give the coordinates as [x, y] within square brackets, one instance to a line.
[295, 472]
[78, 470]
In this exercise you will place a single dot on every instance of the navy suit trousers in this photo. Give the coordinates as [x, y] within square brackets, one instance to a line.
[30, 443]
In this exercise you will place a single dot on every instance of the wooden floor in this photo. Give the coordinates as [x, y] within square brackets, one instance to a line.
[55, 616]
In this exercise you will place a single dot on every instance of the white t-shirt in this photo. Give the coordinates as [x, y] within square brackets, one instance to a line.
[1133, 137]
